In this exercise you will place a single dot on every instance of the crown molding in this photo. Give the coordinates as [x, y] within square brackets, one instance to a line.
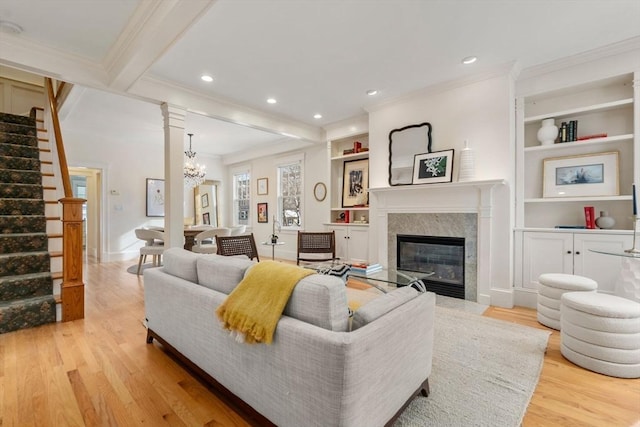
[25, 55]
[155, 89]
[140, 44]
[619, 48]
[502, 70]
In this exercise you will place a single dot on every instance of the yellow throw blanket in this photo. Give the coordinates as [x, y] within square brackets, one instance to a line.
[253, 308]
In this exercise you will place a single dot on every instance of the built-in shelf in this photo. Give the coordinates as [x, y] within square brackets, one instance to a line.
[577, 199]
[360, 224]
[352, 208]
[586, 142]
[354, 156]
[447, 185]
[573, 230]
[586, 109]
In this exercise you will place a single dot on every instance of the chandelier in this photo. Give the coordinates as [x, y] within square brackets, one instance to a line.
[193, 172]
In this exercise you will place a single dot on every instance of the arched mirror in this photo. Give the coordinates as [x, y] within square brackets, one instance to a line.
[206, 203]
[404, 144]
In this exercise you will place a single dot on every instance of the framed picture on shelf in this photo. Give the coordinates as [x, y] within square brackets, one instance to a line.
[429, 168]
[206, 219]
[581, 175]
[263, 212]
[355, 185]
[155, 197]
[205, 200]
[263, 186]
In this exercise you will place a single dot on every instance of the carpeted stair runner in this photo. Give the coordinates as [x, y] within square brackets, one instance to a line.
[26, 286]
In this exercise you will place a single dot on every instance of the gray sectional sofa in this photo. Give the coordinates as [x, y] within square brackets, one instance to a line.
[317, 372]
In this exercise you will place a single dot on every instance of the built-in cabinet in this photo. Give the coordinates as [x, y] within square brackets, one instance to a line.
[350, 221]
[609, 108]
[569, 253]
[352, 242]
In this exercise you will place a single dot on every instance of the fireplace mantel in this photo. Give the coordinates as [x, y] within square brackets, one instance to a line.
[455, 197]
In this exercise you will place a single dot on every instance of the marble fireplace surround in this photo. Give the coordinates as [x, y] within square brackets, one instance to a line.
[457, 209]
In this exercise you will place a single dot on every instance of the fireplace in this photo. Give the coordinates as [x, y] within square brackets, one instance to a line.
[444, 256]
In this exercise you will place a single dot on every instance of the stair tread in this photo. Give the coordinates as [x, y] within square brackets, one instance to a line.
[22, 234]
[4, 304]
[24, 254]
[25, 276]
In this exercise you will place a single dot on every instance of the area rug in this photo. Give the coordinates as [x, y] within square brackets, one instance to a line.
[134, 268]
[484, 372]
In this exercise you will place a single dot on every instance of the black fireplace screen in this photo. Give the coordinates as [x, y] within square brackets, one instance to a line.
[444, 256]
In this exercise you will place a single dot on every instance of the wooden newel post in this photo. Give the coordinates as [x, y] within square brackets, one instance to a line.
[72, 285]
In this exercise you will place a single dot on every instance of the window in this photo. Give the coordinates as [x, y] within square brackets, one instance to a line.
[241, 198]
[290, 194]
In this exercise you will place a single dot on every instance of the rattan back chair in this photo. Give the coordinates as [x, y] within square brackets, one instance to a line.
[244, 244]
[316, 243]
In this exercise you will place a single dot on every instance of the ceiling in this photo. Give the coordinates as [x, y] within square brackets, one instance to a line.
[314, 57]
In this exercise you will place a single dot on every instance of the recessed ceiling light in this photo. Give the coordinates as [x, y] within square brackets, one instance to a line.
[469, 60]
[10, 27]
[271, 100]
[317, 116]
[372, 92]
[207, 78]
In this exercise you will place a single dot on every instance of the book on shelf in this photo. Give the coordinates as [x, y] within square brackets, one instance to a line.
[366, 268]
[594, 136]
[589, 217]
[571, 227]
[568, 131]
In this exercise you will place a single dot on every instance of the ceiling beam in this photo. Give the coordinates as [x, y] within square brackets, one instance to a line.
[153, 28]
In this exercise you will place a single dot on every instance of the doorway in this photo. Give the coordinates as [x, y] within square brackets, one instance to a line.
[86, 184]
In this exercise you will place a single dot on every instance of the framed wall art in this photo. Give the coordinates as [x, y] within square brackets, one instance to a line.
[155, 197]
[582, 175]
[263, 186]
[205, 200]
[429, 168]
[206, 219]
[263, 212]
[355, 182]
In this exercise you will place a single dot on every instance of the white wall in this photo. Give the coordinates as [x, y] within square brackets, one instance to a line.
[126, 165]
[315, 213]
[480, 112]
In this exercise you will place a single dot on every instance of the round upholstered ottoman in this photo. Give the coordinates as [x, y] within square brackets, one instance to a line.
[551, 288]
[601, 332]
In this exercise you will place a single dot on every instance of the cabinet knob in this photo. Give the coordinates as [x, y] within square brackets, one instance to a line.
[568, 252]
[577, 252]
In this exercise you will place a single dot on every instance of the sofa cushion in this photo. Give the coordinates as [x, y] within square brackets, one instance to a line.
[181, 263]
[222, 273]
[320, 300]
[382, 305]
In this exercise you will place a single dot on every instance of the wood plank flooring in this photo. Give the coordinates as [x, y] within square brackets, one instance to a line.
[100, 372]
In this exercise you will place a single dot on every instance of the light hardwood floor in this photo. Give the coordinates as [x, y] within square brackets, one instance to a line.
[100, 372]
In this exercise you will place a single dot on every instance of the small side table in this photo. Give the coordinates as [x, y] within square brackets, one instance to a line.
[628, 284]
[273, 248]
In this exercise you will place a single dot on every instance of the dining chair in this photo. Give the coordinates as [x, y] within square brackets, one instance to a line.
[154, 246]
[237, 245]
[205, 241]
[237, 230]
[316, 243]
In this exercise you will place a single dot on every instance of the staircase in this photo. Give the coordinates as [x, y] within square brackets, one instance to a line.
[26, 283]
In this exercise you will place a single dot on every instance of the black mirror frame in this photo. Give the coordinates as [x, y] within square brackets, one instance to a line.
[427, 124]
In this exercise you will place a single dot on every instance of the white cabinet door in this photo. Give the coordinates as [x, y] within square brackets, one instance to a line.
[352, 243]
[602, 268]
[545, 253]
[358, 244]
[341, 241]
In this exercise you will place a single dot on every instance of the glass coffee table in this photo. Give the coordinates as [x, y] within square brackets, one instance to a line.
[387, 280]
[384, 280]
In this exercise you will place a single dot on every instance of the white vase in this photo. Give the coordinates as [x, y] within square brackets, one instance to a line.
[605, 221]
[548, 133]
[467, 170]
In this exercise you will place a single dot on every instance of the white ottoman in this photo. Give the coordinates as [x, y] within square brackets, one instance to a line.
[601, 332]
[552, 286]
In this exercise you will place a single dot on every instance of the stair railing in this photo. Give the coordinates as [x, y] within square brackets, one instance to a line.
[72, 288]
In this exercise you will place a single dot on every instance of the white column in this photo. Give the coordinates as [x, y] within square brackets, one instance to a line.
[173, 175]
